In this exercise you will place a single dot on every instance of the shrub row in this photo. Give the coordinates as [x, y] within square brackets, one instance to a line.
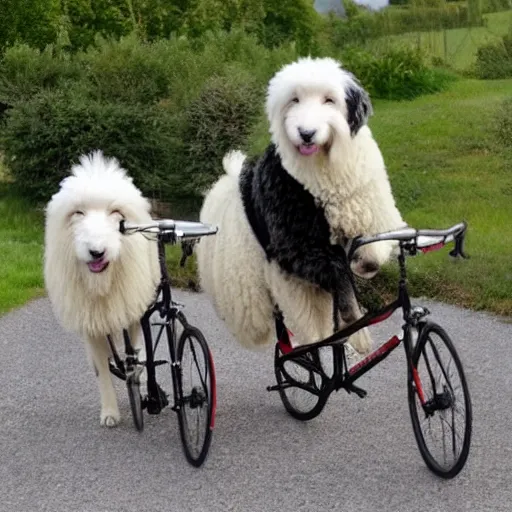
[397, 73]
[167, 110]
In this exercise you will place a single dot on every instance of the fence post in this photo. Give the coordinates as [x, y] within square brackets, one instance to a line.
[445, 43]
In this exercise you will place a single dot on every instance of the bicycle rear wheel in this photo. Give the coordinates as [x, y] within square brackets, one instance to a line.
[442, 426]
[196, 413]
[302, 403]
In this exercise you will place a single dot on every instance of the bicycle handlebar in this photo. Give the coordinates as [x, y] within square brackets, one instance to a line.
[182, 229]
[425, 240]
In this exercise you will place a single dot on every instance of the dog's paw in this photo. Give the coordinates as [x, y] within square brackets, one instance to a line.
[369, 258]
[110, 418]
[361, 341]
[364, 268]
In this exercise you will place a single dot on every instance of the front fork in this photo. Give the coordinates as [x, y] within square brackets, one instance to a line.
[414, 324]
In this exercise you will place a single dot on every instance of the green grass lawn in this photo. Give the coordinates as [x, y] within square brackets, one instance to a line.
[444, 165]
[21, 246]
[461, 43]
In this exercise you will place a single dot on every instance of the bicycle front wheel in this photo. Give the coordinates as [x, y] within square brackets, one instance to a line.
[196, 412]
[442, 424]
[133, 386]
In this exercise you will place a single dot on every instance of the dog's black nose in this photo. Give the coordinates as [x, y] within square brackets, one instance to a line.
[96, 254]
[306, 135]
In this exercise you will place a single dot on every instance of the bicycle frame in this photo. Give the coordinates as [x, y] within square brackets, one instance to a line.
[344, 377]
[169, 312]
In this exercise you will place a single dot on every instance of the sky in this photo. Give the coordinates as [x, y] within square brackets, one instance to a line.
[375, 4]
[323, 5]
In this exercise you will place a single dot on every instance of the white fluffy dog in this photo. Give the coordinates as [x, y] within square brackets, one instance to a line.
[99, 281]
[284, 219]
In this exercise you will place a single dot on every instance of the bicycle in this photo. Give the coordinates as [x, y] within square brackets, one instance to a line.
[194, 402]
[304, 385]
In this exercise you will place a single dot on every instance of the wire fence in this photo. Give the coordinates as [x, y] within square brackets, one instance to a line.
[456, 47]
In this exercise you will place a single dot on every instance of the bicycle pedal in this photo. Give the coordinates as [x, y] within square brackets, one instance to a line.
[361, 393]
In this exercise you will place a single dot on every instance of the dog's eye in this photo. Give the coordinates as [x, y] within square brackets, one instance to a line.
[78, 213]
[329, 100]
[295, 100]
[117, 212]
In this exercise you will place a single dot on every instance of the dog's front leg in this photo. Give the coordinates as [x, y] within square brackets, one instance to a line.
[99, 352]
[350, 311]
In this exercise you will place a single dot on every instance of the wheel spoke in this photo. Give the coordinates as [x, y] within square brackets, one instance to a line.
[447, 397]
[197, 389]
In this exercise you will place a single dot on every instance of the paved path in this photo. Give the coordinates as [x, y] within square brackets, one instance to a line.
[359, 455]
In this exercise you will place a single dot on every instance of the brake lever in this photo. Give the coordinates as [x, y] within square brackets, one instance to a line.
[458, 250]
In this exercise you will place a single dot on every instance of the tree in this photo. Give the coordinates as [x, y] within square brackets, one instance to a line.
[290, 20]
[35, 22]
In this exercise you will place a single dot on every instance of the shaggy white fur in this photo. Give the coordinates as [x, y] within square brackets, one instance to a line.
[98, 280]
[342, 167]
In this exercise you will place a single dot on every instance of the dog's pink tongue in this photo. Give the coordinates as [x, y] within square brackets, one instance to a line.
[96, 265]
[308, 150]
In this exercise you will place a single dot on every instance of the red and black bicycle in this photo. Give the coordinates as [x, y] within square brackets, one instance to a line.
[438, 395]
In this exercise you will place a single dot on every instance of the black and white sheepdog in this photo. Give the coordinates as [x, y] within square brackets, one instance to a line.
[285, 218]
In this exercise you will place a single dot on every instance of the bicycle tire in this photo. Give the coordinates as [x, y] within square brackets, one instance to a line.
[291, 406]
[440, 403]
[133, 386]
[201, 397]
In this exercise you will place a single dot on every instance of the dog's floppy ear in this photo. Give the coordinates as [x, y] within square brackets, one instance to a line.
[359, 106]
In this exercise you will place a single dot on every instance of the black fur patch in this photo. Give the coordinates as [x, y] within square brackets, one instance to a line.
[359, 107]
[291, 228]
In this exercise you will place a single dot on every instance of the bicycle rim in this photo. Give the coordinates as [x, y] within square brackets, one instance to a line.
[443, 428]
[196, 413]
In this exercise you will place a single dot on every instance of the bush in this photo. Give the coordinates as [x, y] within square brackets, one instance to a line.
[168, 110]
[43, 136]
[395, 74]
[128, 70]
[24, 71]
[504, 124]
[494, 60]
[220, 119]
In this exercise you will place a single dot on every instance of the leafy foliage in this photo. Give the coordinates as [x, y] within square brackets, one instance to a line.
[44, 135]
[494, 60]
[218, 120]
[395, 73]
[34, 22]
